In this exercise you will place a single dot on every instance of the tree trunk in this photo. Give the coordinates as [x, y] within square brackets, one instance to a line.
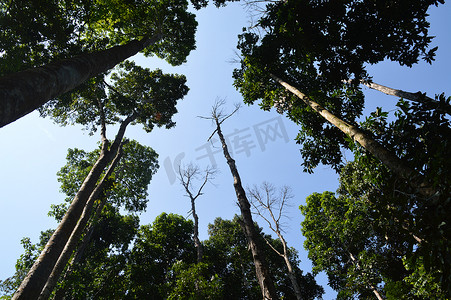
[77, 232]
[36, 278]
[291, 274]
[59, 293]
[261, 268]
[197, 243]
[25, 91]
[417, 97]
[390, 160]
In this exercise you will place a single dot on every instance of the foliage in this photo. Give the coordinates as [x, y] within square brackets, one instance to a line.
[227, 251]
[318, 45]
[33, 33]
[191, 282]
[156, 249]
[405, 235]
[149, 96]
[336, 232]
[23, 264]
[158, 261]
[127, 186]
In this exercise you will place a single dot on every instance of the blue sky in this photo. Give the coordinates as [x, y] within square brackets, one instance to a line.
[34, 149]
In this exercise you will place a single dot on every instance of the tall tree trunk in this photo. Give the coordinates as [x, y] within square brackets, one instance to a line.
[77, 232]
[390, 160]
[25, 91]
[417, 97]
[59, 293]
[32, 285]
[261, 267]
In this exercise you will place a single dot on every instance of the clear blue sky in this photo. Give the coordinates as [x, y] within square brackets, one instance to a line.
[34, 149]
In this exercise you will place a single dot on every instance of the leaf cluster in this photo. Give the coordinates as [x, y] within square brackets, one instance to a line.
[127, 186]
[318, 45]
[33, 33]
[391, 230]
[148, 96]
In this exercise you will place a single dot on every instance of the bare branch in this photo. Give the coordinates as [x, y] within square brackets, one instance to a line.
[187, 175]
[218, 116]
[266, 200]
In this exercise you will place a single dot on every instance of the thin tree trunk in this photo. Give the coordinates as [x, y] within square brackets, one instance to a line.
[25, 91]
[186, 175]
[390, 160]
[36, 278]
[417, 97]
[197, 243]
[77, 232]
[291, 273]
[261, 268]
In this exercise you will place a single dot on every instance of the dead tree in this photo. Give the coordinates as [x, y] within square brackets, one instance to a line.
[187, 175]
[270, 207]
[261, 267]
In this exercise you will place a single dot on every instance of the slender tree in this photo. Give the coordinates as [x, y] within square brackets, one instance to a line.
[139, 101]
[415, 97]
[186, 177]
[40, 271]
[261, 267]
[270, 207]
[77, 231]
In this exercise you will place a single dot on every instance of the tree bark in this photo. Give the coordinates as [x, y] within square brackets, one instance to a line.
[416, 97]
[77, 232]
[261, 268]
[59, 293]
[25, 91]
[197, 243]
[291, 273]
[36, 278]
[390, 160]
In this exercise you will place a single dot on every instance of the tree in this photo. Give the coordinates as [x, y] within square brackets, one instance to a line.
[338, 244]
[158, 261]
[186, 176]
[125, 188]
[156, 249]
[419, 134]
[270, 207]
[138, 94]
[315, 46]
[130, 191]
[228, 253]
[261, 268]
[164, 29]
[396, 235]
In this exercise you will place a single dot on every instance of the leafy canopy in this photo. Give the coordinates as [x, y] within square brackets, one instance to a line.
[149, 97]
[317, 46]
[33, 33]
